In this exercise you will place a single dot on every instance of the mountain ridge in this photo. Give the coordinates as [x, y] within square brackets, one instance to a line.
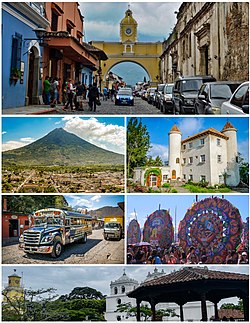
[61, 148]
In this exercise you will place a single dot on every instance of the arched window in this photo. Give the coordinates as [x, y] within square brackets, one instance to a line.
[177, 160]
[119, 301]
[116, 290]
[123, 289]
[118, 318]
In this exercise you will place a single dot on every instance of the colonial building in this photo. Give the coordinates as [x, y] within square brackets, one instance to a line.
[123, 285]
[208, 156]
[209, 38]
[43, 39]
[130, 49]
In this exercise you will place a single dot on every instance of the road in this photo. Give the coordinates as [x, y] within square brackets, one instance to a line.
[95, 251]
[109, 107]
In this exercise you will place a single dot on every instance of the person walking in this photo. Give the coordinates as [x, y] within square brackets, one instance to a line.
[46, 90]
[93, 96]
[80, 89]
[70, 93]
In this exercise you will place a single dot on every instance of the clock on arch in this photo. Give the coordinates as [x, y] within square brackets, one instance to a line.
[128, 31]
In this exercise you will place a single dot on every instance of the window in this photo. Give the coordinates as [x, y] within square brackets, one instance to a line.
[202, 141]
[202, 159]
[218, 142]
[184, 147]
[190, 145]
[118, 318]
[184, 161]
[218, 158]
[237, 159]
[190, 160]
[239, 97]
[177, 160]
[16, 52]
[184, 176]
[69, 29]
[203, 178]
[116, 290]
[54, 21]
[119, 301]
[190, 177]
[165, 178]
[221, 179]
[123, 289]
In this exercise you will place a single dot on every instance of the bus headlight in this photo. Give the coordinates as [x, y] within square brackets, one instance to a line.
[21, 240]
[47, 238]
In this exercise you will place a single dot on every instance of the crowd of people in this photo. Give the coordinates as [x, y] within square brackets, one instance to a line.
[71, 95]
[137, 254]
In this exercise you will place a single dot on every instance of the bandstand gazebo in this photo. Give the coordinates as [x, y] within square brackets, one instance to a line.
[190, 284]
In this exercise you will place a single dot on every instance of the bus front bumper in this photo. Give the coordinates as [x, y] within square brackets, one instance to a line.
[36, 249]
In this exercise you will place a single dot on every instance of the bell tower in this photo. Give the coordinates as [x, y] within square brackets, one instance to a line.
[128, 31]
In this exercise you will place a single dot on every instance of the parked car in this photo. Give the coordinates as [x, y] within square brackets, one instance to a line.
[143, 94]
[166, 99]
[158, 93]
[186, 90]
[212, 95]
[150, 94]
[124, 96]
[239, 102]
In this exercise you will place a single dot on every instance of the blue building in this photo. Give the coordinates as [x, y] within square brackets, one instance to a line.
[21, 53]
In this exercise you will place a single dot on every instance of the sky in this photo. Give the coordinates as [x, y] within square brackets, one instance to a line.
[140, 206]
[159, 128]
[65, 278]
[107, 133]
[102, 23]
[93, 202]
[102, 19]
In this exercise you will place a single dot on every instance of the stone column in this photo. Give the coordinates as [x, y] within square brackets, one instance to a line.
[181, 313]
[203, 307]
[152, 303]
[138, 310]
[216, 313]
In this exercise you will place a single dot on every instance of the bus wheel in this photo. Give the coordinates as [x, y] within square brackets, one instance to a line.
[57, 249]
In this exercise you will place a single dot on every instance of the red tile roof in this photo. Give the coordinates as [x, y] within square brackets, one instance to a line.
[174, 129]
[193, 274]
[228, 125]
[209, 131]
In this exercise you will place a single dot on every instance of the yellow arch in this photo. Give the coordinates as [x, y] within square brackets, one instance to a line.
[147, 55]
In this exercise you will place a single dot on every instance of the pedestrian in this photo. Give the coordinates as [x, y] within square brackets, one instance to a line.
[105, 93]
[54, 92]
[70, 94]
[80, 89]
[46, 90]
[64, 92]
[93, 96]
[59, 87]
[112, 93]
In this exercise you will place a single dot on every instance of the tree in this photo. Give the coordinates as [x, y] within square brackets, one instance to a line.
[145, 311]
[138, 144]
[244, 169]
[232, 306]
[83, 293]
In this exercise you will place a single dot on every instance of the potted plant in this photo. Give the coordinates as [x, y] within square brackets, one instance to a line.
[15, 74]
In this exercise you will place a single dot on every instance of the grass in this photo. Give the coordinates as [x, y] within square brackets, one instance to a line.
[197, 189]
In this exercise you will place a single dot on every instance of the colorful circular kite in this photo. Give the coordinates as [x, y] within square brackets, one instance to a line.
[134, 232]
[158, 229]
[212, 226]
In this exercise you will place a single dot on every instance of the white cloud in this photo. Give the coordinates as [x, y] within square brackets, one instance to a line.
[106, 136]
[78, 200]
[96, 198]
[4, 132]
[58, 122]
[14, 144]
[158, 150]
[190, 126]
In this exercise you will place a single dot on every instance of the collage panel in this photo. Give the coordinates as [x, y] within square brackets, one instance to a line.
[187, 155]
[63, 229]
[98, 293]
[187, 229]
[63, 155]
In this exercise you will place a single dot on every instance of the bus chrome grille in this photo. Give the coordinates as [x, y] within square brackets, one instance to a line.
[31, 237]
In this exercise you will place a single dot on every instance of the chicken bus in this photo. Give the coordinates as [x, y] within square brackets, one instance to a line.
[52, 229]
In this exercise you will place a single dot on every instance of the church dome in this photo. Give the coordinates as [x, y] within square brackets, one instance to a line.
[124, 279]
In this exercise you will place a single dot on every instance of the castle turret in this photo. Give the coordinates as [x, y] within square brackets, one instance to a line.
[175, 152]
[233, 174]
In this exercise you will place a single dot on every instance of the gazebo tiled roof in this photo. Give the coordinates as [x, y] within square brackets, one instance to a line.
[192, 274]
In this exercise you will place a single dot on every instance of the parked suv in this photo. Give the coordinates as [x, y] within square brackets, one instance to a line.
[186, 91]
[158, 93]
[166, 102]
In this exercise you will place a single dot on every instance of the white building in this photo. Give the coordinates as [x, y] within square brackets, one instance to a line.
[208, 156]
[124, 284]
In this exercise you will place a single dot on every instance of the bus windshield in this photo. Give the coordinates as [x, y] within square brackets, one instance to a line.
[112, 225]
[47, 220]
